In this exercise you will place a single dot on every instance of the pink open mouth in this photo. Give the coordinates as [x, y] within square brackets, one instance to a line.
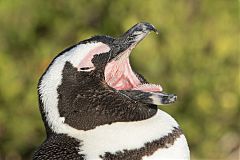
[120, 76]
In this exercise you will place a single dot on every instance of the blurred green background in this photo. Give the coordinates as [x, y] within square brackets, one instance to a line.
[196, 56]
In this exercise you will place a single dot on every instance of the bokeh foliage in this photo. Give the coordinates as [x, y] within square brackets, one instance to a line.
[195, 56]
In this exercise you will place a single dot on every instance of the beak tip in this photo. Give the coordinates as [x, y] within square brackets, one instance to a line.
[150, 27]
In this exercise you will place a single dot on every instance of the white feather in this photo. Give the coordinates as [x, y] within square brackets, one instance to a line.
[53, 78]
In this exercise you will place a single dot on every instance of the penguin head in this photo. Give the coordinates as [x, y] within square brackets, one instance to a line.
[92, 84]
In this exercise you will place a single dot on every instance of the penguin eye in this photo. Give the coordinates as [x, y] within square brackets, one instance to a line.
[86, 68]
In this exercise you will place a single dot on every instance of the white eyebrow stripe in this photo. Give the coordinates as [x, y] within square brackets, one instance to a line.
[53, 78]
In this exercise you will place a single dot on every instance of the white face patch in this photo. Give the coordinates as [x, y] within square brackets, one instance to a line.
[79, 56]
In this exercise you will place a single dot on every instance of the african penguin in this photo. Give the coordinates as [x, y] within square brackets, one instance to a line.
[94, 106]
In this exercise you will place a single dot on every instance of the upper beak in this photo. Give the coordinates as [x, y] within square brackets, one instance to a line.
[131, 37]
[138, 32]
[148, 26]
[143, 27]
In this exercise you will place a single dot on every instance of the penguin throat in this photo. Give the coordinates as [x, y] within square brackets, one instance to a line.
[120, 76]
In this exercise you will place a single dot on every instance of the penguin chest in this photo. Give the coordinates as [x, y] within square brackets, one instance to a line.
[158, 137]
[178, 151]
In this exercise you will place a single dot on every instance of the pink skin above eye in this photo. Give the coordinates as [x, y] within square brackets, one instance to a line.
[86, 61]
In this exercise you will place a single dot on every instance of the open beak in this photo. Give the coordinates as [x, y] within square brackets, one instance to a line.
[120, 76]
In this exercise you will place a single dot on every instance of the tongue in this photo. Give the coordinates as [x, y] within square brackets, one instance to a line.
[148, 87]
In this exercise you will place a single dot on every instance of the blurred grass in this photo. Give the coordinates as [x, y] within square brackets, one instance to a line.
[196, 56]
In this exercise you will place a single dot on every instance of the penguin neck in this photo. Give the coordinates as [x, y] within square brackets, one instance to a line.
[124, 135]
[160, 124]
